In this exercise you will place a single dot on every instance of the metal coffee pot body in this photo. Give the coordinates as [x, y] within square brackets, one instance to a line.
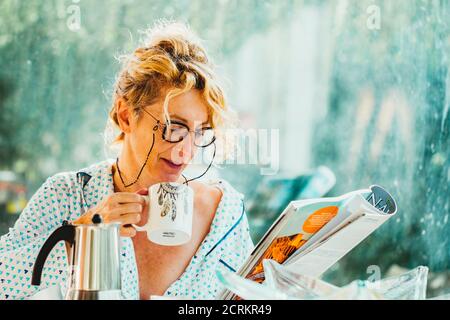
[94, 260]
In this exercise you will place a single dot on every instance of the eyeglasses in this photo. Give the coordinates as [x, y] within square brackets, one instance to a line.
[177, 131]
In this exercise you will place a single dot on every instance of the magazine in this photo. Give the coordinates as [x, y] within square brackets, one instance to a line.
[312, 235]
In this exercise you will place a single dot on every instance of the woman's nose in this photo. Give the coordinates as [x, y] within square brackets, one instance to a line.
[185, 149]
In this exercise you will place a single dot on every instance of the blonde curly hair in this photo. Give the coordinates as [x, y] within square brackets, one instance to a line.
[171, 60]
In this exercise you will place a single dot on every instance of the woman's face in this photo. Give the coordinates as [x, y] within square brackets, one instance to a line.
[168, 160]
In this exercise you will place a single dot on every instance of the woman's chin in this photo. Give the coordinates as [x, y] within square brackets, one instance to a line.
[169, 176]
[172, 178]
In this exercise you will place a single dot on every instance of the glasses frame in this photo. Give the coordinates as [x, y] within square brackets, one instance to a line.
[159, 124]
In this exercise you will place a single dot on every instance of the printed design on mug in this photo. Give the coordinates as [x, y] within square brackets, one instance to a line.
[167, 198]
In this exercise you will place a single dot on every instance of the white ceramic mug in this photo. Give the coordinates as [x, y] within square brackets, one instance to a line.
[171, 208]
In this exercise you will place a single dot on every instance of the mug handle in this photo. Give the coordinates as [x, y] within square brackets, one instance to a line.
[138, 228]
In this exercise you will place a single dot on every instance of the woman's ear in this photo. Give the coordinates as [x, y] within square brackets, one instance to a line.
[124, 114]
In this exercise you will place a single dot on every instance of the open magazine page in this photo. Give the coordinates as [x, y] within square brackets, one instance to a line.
[295, 226]
[337, 243]
[265, 241]
[273, 232]
[350, 209]
[312, 235]
[298, 228]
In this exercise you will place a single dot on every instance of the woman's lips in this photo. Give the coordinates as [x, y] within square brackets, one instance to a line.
[172, 165]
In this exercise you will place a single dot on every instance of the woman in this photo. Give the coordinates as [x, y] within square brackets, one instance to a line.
[167, 106]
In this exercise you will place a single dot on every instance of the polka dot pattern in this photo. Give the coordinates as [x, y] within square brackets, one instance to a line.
[60, 198]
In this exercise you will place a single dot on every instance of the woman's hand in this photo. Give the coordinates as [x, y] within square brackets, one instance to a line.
[124, 207]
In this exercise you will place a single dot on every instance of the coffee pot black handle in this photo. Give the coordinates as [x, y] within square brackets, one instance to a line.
[66, 233]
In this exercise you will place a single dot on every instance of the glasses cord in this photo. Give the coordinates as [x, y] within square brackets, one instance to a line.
[142, 168]
[209, 166]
